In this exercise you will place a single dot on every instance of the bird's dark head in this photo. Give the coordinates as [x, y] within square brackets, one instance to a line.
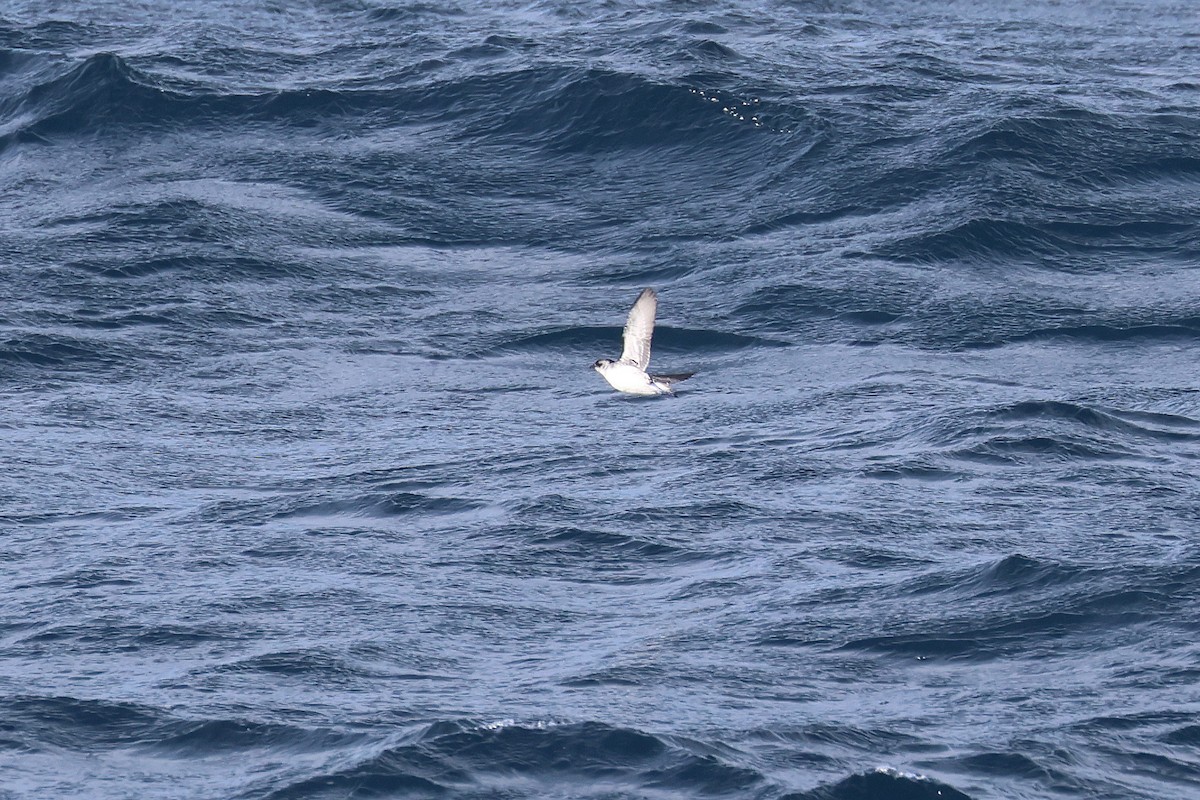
[601, 364]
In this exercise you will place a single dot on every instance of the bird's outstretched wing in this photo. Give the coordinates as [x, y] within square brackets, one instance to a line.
[670, 379]
[639, 328]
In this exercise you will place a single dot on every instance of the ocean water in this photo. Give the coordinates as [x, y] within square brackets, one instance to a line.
[308, 490]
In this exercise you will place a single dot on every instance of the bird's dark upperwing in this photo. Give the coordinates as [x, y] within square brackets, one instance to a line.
[676, 378]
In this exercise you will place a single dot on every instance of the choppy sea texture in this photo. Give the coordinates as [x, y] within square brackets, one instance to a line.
[309, 492]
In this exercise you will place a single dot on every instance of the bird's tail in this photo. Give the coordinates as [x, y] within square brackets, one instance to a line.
[670, 379]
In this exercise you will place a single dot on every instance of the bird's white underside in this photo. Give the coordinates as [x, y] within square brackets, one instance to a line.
[628, 378]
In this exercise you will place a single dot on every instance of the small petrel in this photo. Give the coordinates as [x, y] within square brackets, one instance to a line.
[628, 374]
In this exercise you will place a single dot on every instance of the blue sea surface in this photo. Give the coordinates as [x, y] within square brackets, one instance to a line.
[308, 490]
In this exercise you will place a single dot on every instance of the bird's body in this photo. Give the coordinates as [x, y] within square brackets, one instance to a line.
[628, 374]
[631, 380]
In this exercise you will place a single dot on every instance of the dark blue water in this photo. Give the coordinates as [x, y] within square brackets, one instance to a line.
[308, 491]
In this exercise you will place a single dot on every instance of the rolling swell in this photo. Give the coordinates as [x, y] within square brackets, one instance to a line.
[449, 756]
[1022, 607]
[1069, 245]
[882, 783]
[597, 111]
[90, 725]
[666, 339]
[987, 317]
[570, 110]
[1030, 430]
